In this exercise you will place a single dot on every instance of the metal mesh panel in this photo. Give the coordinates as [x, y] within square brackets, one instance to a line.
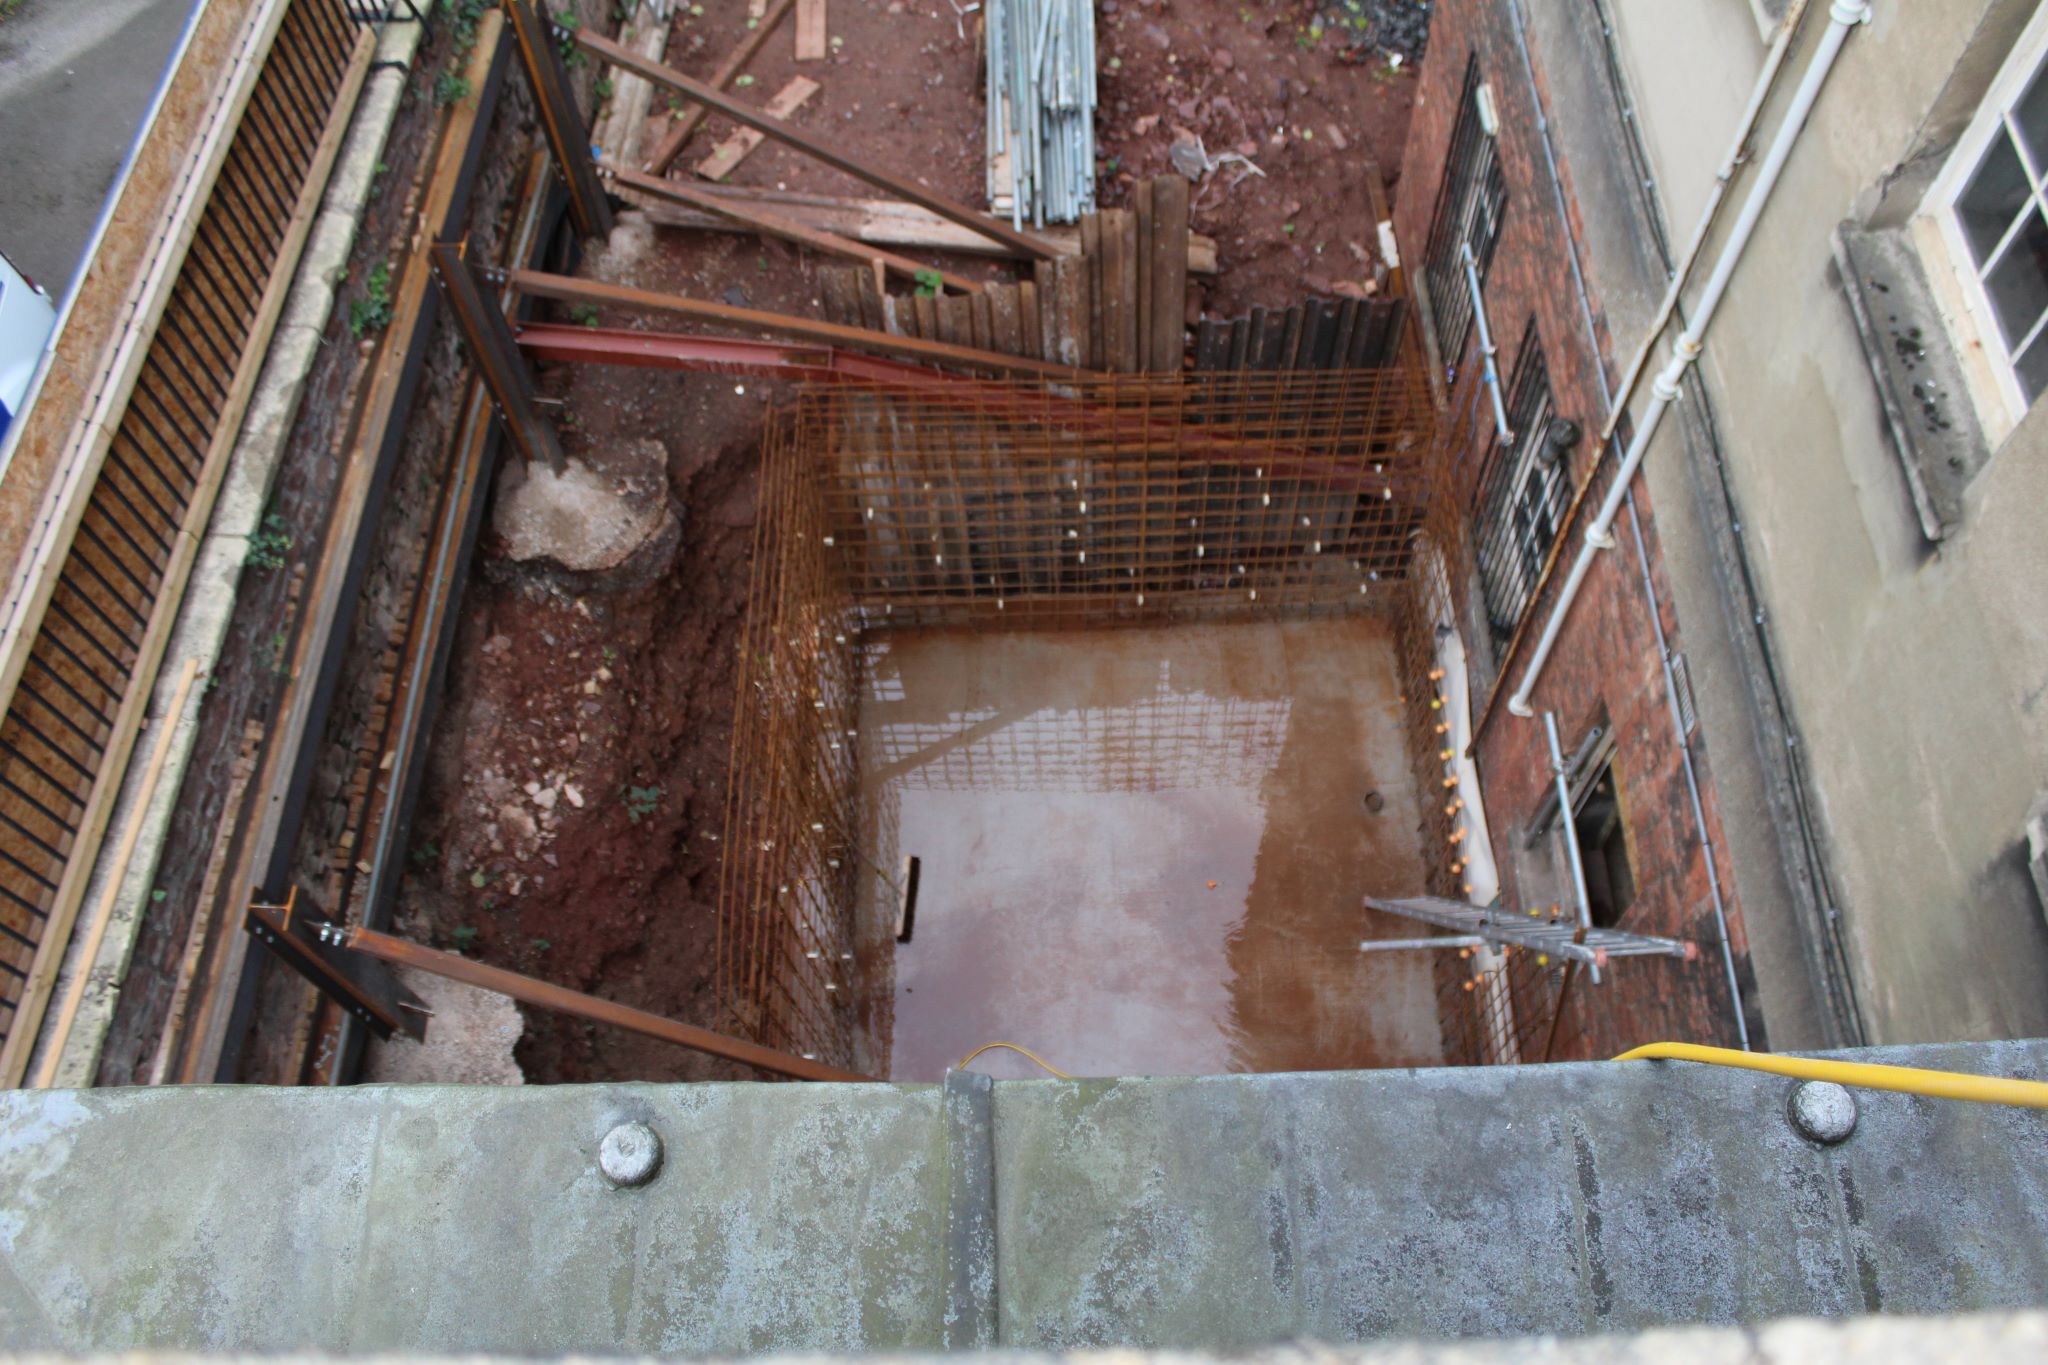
[961, 502]
[1472, 199]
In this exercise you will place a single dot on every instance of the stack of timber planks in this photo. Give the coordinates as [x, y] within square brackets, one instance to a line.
[1120, 306]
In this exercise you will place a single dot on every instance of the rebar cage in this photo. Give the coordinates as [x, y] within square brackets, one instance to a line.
[999, 504]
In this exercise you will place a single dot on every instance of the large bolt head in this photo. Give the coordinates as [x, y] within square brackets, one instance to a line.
[630, 1155]
[1823, 1111]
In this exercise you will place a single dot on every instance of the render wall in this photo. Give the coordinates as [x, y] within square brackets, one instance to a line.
[1917, 672]
[1606, 669]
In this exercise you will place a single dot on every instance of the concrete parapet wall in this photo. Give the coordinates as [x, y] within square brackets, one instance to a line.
[1204, 1213]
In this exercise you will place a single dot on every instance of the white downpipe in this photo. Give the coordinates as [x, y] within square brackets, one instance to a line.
[1685, 349]
[1486, 347]
[1745, 128]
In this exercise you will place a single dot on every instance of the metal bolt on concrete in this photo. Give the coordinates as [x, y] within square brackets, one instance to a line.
[1823, 1111]
[630, 1155]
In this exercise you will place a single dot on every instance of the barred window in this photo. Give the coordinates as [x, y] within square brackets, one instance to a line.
[1523, 491]
[1470, 204]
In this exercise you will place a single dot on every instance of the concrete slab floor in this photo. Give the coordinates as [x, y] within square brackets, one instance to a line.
[1143, 850]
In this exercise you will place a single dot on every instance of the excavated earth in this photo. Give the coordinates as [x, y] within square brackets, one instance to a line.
[571, 822]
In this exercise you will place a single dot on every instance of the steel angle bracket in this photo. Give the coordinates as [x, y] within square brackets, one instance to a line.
[307, 943]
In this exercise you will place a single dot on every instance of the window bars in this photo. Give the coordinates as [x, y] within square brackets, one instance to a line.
[1471, 202]
[1524, 492]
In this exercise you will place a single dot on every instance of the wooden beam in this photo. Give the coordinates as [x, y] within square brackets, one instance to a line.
[497, 358]
[544, 995]
[571, 290]
[901, 187]
[560, 120]
[727, 156]
[1169, 269]
[810, 30]
[885, 222]
[692, 116]
[773, 224]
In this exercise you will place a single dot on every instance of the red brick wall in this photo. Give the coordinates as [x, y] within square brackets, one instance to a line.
[1606, 659]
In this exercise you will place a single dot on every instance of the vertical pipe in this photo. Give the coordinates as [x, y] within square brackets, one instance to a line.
[1565, 825]
[1692, 784]
[1842, 15]
[1486, 347]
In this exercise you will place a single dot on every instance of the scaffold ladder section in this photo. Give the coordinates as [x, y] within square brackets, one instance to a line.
[1559, 937]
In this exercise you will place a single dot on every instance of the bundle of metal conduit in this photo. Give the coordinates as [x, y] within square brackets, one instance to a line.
[1041, 109]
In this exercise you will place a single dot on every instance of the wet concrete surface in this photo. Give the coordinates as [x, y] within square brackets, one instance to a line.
[1143, 851]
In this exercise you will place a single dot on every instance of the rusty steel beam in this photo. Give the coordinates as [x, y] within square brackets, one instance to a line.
[567, 289]
[693, 117]
[541, 994]
[560, 120]
[902, 187]
[772, 224]
[497, 358]
[570, 344]
[1083, 412]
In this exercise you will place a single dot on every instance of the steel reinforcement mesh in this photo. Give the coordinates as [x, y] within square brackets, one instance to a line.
[1031, 505]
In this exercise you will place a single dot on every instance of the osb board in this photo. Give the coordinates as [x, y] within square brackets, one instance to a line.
[115, 269]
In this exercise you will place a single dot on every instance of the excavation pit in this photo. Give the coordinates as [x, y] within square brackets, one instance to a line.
[1085, 650]
[1141, 850]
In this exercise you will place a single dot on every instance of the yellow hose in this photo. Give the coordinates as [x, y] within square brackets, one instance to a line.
[1014, 1048]
[1911, 1080]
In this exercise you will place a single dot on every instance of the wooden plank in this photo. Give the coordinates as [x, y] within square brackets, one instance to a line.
[560, 119]
[1005, 329]
[117, 872]
[926, 311]
[982, 324]
[735, 149]
[887, 222]
[1030, 327]
[772, 224]
[1091, 262]
[1169, 274]
[692, 116]
[814, 147]
[1068, 342]
[1131, 310]
[837, 288]
[870, 295]
[92, 825]
[810, 30]
[1112, 308]
[1212, 344]
[956, 325]
[1139, 264]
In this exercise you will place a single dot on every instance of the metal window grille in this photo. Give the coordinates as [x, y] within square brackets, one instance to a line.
[1471, 202]
[1524, 490]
